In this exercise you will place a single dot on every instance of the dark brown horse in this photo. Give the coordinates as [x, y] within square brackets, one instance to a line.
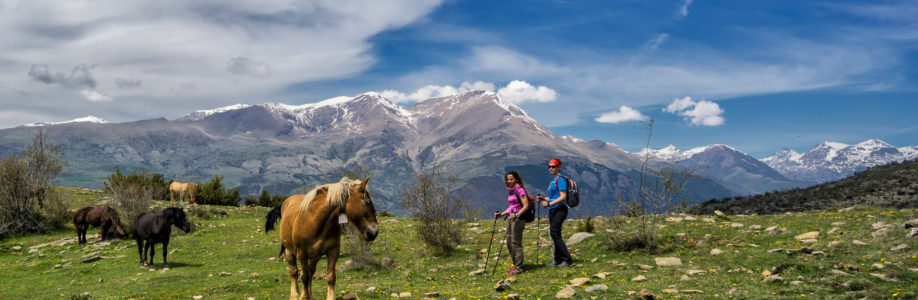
[99, 216]
[310, 228]
[151, 228]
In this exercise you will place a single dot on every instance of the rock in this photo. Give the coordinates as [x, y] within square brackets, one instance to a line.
[681, 235]
[432, 294]
[694, 272]
[197, 297]
[579, 281]
[17, 247]
[254, 275]
[910, 223]
[716, 251]
[899, 247]
[691, 291]
[878, 266]
[708, 220]
[404, 295]
[673, 219]
[912, 234]
[477, 272]
[880, 232]
[771, 230]
[844, 266]
[878, 225]
[775, 250]
[670, 291]
[755, 227]
[719, 213]
[883, 276]
[838, 223]
[350, 296]
[579, 237]
[737, 225]
[224, 274]
[644, 294]
[834, 243]
[846, 209]
[643, 267]
[796, 282]
[684, 278]
[513, 297]
[690, 218]
[859, 243]
[639, 278]
[773, 278]
[567, 292]
[598, 287]
[809, 241]
[502, 285]
[602, 275]
[835, 231]
[371, 289]
[839, 272]
[595, 259]
[808, 236]
[668, 261]
[90, 258]
[272, 259]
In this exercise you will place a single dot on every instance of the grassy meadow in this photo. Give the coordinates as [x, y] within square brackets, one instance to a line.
[227, 255]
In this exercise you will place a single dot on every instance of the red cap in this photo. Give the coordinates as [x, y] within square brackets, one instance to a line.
[554, 162]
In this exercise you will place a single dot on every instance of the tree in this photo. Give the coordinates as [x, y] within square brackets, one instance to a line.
[24, 181]
[431, 200]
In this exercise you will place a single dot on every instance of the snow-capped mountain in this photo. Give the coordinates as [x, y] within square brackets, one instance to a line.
[832, 160]
[725, 164]
[90, 119]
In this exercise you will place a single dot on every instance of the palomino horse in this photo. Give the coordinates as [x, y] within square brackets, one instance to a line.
[151, 228]
[103, 216]
[310, 228]
[182, 188]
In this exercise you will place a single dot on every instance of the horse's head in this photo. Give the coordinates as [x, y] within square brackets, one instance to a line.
[116, 223]
[176, 216]
[360, 210]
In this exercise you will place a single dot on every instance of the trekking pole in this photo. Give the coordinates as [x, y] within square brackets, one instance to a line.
[493, 226]
[538, 230]
[497, 260]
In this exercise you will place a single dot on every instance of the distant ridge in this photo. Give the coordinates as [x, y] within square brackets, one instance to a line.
[891, 185]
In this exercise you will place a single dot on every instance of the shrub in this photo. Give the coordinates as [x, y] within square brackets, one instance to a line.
[214, 193]
[54, 211]
[585, 225]
[266, 200]
[130, 194]
[24, 180]
[429, 198]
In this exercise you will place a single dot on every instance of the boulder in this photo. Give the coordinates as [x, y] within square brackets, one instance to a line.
[910, 223]
[579, 281]
[579, 237]
[859, 243]
[639, 278]
[719, 213]
[716, 251]
[808, 236]
[567, 292]
[668, 261]
[899, 247]
[835, 231]
[598, 287]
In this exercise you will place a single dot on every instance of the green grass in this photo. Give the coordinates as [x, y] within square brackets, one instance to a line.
[236, 244]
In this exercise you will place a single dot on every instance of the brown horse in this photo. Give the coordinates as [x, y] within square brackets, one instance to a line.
[310, 228]
[103, 216]
[182, 188]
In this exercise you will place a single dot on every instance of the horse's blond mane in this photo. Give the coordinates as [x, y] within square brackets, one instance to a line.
[336, 194]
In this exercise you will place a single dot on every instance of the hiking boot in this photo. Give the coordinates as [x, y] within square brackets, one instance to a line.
[563, 265]
[553, 264]
[514, 271]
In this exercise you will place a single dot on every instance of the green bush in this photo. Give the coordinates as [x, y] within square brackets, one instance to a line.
[265, 199]
[585, 225]
[214, 193]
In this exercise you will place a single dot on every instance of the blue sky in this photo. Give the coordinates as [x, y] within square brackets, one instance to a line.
[756, 75]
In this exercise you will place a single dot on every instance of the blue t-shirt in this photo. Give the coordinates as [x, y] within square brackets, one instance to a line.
[554, 190]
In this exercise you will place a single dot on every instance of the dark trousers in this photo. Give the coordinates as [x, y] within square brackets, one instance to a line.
[556, 218]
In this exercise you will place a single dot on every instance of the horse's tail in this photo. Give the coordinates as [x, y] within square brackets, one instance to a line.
[271, 218]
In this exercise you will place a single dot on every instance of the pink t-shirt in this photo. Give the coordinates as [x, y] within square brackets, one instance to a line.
[513, 199]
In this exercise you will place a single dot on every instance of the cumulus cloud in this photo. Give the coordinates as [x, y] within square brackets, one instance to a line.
[700, 113]
[80, 77]
[518, 91]
[95, 96]
[127, 83]
[623, 114]
[248, 67]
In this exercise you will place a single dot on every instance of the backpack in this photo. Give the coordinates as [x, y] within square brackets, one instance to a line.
[573, 194]
[529, 214]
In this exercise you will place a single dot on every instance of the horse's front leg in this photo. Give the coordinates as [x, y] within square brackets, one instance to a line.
[309, 268]
[330, 273]
[152, 252]
[105, 228]
[146, 251]
[165, 246]
[293, 273]
[140, 248]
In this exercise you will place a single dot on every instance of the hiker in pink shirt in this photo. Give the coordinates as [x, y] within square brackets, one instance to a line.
[519, 206]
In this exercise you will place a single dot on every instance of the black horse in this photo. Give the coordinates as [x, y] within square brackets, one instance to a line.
[155, 228]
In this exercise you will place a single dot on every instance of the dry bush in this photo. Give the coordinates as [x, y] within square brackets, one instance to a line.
[24, 180]
[129, 198]
[54, 211]
[431, 200]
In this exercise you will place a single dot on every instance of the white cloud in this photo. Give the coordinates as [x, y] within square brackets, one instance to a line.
[624, 114]
[95, 96]
[246, 66]
[683, 12]
[701, 113]
[518, 91]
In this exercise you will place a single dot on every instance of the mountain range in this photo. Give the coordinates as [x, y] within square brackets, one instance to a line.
[478, 135]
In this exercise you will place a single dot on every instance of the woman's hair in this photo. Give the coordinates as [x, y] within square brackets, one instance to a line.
[516, 175]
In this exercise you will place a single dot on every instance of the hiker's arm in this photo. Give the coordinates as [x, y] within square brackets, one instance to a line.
[525, 202]
[559, 199]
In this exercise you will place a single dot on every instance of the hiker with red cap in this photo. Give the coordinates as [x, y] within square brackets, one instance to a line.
[557, 213]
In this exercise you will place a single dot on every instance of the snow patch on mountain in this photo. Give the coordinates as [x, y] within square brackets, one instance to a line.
[673, 154]
[89, 119]
[832, 160]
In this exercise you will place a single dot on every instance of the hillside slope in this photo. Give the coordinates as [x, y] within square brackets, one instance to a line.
[892, 185]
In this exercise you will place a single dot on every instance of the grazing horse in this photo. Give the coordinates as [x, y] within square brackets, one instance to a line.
[182, 188]
[310, 228]
[103, 216]
[151, 228]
